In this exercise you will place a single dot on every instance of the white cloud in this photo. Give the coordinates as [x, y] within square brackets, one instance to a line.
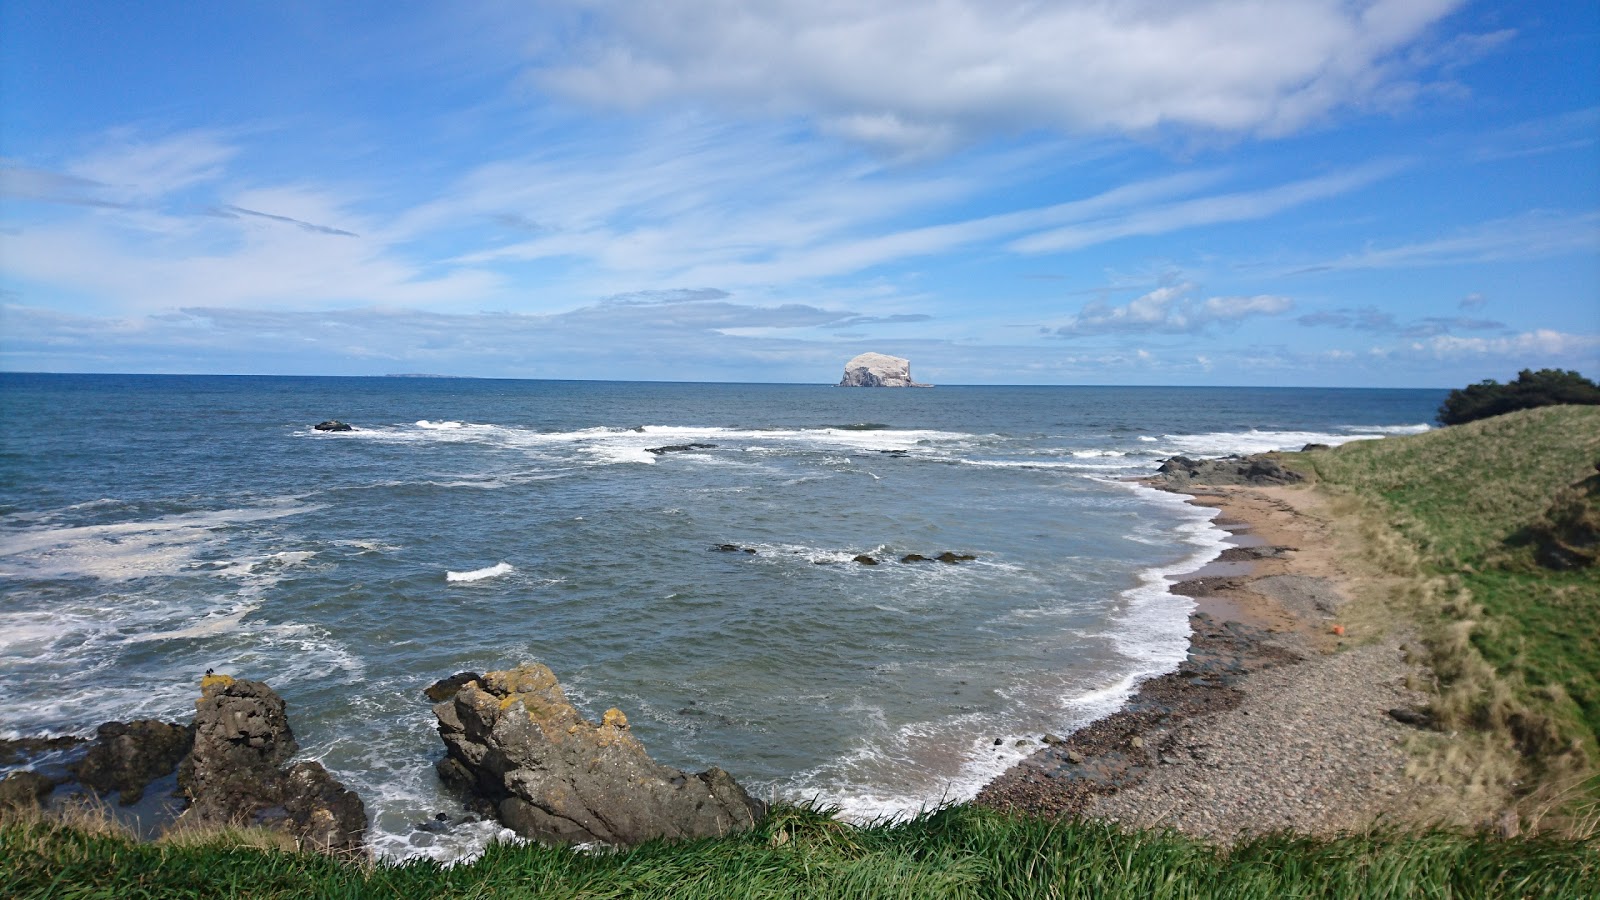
[1543, 343]
[910, 73]
[1534, 235]
[1169, 310]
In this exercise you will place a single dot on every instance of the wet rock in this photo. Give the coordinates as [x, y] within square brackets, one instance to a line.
[866, 560]
[679, 448]
[733, 548]
[16, 751]
[24, 790]
[332, 425]
[445, 688]
[952, 557]
[127, 756]
[914, 558]
[235, 773]
[516, 745]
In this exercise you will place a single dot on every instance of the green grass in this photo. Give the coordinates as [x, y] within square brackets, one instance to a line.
[956, 852]
[1462, 496]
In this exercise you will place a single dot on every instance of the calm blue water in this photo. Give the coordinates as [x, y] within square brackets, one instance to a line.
[152, 527]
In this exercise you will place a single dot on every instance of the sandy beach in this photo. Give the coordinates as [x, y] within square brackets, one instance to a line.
[1279, 718]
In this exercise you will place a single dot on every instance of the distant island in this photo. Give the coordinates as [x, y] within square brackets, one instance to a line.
[878, 370]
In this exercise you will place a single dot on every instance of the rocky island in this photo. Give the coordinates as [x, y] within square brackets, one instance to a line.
[878, 370]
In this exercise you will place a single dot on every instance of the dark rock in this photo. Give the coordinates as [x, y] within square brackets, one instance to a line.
[866, 560]
[1413, 717]
[914, 558]
[523, 752]
[24, 790]
[332, 425]
[679, 448]
[1260, 470]
[15, 751]
[127, 756]
[733, 548]
[445, 688]
[1310, 447]
[952, 557]
[235, 773]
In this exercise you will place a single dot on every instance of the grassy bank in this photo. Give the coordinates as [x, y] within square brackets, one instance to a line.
[1515, 645]
[954, 853]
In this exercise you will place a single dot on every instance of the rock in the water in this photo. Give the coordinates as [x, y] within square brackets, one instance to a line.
[445, 688]
[127, 756]
[24, 790]
[514, 742]
[866, 560]
[878, 370]
[235, 773]
[914, 558]
[332, 425]
[1181, 471]
[679, 448]
[951, 557]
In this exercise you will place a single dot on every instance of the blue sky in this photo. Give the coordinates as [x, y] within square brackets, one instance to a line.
[1380, 193]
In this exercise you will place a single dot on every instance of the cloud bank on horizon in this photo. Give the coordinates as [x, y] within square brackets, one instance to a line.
[1318, 192]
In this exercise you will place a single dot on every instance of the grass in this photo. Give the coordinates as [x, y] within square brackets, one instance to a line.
[1516, 646]
[956, 852]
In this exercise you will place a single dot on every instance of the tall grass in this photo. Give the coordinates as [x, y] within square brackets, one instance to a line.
[957, 852]
[1515, 647]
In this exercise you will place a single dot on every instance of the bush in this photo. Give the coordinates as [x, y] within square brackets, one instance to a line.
[1546, 387]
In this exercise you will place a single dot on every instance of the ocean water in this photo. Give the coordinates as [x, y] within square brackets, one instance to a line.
[152, 527]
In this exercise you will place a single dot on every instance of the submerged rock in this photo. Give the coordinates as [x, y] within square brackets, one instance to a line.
[235, 773]
[679, 448]
[516, 745]
[878, 370]
[332, 425]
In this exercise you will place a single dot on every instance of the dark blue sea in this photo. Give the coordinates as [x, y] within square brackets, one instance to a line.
[152, 527]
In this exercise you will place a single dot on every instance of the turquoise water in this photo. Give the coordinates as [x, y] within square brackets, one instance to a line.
[157, 526]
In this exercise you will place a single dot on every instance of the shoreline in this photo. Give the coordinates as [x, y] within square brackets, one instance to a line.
[1271, 721]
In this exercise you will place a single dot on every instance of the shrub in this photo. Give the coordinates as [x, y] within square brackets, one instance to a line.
[1546, 387]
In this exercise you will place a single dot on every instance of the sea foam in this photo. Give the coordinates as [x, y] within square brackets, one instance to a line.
[493, 571]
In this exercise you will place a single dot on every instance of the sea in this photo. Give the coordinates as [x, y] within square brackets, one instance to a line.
[154, 527]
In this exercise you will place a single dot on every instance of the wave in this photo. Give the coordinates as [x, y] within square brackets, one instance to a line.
[493, 571]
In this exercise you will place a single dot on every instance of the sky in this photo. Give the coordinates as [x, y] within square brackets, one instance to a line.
[1362, 193]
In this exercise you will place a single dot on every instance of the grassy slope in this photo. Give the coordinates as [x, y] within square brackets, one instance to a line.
[1461, 495]
[955, 853]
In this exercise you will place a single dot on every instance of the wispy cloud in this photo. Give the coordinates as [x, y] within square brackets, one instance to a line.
[1376, 321]
[1533, 235]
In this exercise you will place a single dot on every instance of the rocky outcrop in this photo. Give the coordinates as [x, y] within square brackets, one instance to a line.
[1181, 471]
[518, 748]
[127, 756]
[878, 370]
[679, 448]
[235, 773]
[332, 425]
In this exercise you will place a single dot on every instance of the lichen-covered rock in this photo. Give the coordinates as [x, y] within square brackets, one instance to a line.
[878, 370]
[514, 742]
[235, 773]
[127, 756]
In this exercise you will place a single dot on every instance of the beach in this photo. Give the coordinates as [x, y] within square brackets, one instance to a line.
[1273, 721]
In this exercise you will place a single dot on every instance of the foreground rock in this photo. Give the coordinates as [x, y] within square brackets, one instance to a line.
[516, 745]
[878, 370]
[235, 775]
[127, 756]
[1181, 471]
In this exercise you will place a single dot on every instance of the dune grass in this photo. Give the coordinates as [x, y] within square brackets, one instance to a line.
[956, 852]
[1516, 646]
